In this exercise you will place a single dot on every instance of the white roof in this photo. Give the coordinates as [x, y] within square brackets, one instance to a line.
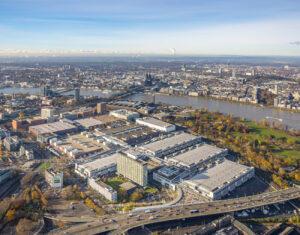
[52, 127]
[197, 155]
[88, 122]
[154, 121]
[169, 142]
[100, 163]
[218, 176]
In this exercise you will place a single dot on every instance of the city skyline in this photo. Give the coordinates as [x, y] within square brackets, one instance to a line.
[150, 27]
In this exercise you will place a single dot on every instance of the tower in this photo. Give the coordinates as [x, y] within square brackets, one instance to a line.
[101, 108]
[153, 99]
[276, 89]
[233, 73]
[45, 90]
[77, 94]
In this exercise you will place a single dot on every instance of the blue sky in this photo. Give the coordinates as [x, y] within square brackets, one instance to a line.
[199, 27]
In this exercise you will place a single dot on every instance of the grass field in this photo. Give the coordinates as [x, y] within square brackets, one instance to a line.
[115, 182]
[45, 166]
[259, 132]
[265, 131]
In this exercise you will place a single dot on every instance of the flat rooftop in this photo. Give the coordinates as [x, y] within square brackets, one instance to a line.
[120, 129]
[169, 142]
[127, 186]
[52, 127]
[155, 122]
[134, 133]
[197, 155]
[107, 118]
[100, 163]
[89, 122]
[81, 143]
[218, 176]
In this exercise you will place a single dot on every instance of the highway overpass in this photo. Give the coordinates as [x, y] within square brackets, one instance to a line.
[118, 224]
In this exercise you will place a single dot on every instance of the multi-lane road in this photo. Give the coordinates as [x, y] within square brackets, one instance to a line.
[121, 223]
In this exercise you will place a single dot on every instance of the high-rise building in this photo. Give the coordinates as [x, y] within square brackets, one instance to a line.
[221, 72]
[101, 108]
[54, 178]
[77, 94]
[276, 89]
[45, 90]
[153, 99]
[276, 102]
[131, 165]
[148, 79]
[233, 73]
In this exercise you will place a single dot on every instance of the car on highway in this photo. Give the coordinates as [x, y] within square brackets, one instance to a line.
[194, 211]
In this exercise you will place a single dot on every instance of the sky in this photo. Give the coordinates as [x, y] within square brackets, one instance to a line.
[180, 27]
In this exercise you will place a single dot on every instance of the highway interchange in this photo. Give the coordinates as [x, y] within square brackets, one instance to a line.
[118, 224]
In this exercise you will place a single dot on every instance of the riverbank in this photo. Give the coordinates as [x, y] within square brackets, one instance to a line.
[251, 112]
[227, 100]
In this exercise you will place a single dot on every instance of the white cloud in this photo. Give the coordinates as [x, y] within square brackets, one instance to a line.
[254, 38]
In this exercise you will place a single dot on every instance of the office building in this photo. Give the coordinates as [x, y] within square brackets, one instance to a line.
[76, 94]
[69, 115]
[54, 179]
[276, 102]
[233, 73]
[105, 190]
[130, 164]
[47, 113]
[219, 180]
[124, 114]
[156, 124]
[104, 165]
[276, 89]
[45, 91]
[12, 143]
[169, 176]
[153, 99]
[161, 147]
[101, 108]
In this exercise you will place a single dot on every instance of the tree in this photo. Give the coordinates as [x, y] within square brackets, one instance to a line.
[35, 195]
[82, 195]
[122, 194]
[136, 195]
[297, 176]
[11, 215]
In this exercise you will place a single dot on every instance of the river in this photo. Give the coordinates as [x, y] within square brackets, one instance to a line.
[250, 112]
[36, 91]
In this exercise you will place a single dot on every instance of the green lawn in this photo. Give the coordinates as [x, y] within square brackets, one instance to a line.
[259, 132]
[295, 154]
[45, 166]
[150, 189]
[115, 182]
[265, 131]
